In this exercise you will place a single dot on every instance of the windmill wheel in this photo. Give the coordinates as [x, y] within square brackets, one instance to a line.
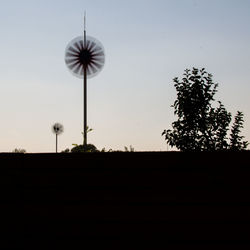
[57, 128]
[78, 56]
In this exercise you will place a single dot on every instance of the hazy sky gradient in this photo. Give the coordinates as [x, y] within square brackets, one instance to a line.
[147, 44]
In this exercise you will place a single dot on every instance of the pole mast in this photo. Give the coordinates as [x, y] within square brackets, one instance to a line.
[84, 89]
[56, 143]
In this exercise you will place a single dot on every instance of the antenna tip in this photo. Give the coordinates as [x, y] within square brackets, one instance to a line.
[85, 20]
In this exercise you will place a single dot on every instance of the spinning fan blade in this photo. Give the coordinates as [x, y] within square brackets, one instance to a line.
[57, 128]
[91, 56]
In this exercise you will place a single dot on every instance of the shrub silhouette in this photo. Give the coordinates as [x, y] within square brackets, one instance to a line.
[19, 150]
[88, 148]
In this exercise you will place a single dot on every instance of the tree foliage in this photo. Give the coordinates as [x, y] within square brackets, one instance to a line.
[236, 140]
[200, 126]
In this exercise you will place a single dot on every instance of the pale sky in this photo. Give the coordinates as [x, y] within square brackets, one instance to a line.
[147, 43]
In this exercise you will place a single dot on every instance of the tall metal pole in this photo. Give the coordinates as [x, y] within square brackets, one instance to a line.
[85, 107]
[85, 91]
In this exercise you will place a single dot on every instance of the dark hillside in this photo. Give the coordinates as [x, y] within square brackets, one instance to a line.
[113, 199]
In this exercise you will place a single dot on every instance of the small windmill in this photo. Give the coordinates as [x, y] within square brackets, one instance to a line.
[57, 129]
[85, 58]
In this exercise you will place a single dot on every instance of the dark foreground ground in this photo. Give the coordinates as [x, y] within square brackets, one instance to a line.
[125, 200]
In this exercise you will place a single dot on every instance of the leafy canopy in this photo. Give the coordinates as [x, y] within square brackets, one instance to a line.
[200, 126]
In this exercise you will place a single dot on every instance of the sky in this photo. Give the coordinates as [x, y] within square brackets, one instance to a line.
[147, 43]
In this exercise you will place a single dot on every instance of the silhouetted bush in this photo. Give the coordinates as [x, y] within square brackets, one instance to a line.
[19, 150]
[66, 151]
[89, 148]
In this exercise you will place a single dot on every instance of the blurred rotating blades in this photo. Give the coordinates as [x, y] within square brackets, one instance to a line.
[89, 54]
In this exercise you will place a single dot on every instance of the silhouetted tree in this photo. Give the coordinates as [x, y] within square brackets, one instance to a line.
[236, 142]
[200, 126]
